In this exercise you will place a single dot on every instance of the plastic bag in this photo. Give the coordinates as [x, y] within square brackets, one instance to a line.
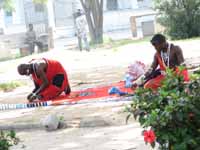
[135, 70]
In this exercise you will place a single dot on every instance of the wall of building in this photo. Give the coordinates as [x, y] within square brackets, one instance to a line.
[113, 19]
[2, 24]
[15, 22]
[120, 18]
[141, 20]
[145, 3]
[116, 20]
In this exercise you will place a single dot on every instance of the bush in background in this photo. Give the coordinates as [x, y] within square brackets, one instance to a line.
[180, 17]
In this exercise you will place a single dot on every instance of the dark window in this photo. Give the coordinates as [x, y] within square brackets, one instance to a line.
[112, 5]
[39, 7]
[8, 13]
[8, 17]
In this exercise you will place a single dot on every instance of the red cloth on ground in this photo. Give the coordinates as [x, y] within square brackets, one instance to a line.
[53, 68]
[94, 93]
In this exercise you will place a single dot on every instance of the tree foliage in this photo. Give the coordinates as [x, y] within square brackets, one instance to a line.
[7, 5]
[94, 15]
[180, 17]
[40, 1]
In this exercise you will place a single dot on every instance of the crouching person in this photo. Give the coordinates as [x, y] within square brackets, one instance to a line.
[49, 77]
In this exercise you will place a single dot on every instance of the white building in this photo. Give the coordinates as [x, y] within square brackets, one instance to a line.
[134, 15]
[129, 14]
[13, 21]
[58, 14]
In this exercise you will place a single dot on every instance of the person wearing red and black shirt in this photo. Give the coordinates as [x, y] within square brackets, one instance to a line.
[49, 76]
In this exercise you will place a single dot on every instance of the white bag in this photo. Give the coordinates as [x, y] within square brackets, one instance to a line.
[136, 69]
[51, 122]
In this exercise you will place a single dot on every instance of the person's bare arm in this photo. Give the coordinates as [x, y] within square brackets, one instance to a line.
[153, 66]
[42, 75]
[179, 55]
[154, 63]
[36, 87]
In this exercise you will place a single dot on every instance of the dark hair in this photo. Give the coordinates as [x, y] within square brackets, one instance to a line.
[158, 38]
[30, 25]
[21, 68]
[78, 14]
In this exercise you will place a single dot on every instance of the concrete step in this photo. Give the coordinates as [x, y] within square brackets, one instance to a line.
[64, 32]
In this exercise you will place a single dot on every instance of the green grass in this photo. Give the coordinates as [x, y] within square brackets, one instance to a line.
[110, 43]
[113, 44]
[195, 75]
[190, 39]
[5, 87]
[10, 58]
[9, 64]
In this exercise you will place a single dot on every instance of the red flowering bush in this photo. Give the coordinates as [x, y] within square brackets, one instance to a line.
[172, 113]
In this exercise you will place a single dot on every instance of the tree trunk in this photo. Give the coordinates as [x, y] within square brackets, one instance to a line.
[94, 16]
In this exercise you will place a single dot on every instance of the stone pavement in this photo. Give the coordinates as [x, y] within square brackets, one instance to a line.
[89, 127]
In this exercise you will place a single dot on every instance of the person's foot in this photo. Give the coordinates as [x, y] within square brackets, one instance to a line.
[67, 90]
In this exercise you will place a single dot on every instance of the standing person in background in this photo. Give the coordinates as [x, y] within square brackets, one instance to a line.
[81, 31]
[30, 38]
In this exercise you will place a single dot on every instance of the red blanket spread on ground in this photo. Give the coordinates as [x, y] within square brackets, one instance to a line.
[94, 93]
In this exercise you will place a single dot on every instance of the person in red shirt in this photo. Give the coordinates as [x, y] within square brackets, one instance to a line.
[167, 56]
[49, 76]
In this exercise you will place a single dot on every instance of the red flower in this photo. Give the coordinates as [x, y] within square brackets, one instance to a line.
[191, 116]
[149, 136]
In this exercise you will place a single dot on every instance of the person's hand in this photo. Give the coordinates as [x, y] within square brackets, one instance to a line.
[31, 97]
[140, 80]
[148, 72]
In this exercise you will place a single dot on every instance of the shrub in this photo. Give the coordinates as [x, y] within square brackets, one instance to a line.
[7, 139]
[180, 17]
[172, 113]
[10, 86]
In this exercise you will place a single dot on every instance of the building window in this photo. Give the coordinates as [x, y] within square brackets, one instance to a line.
[112, 4]
[39, 7]
[124, 4]
[8, 17]
[8, 13]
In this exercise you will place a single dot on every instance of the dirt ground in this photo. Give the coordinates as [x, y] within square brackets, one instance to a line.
[91, 126]
[94, 126]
